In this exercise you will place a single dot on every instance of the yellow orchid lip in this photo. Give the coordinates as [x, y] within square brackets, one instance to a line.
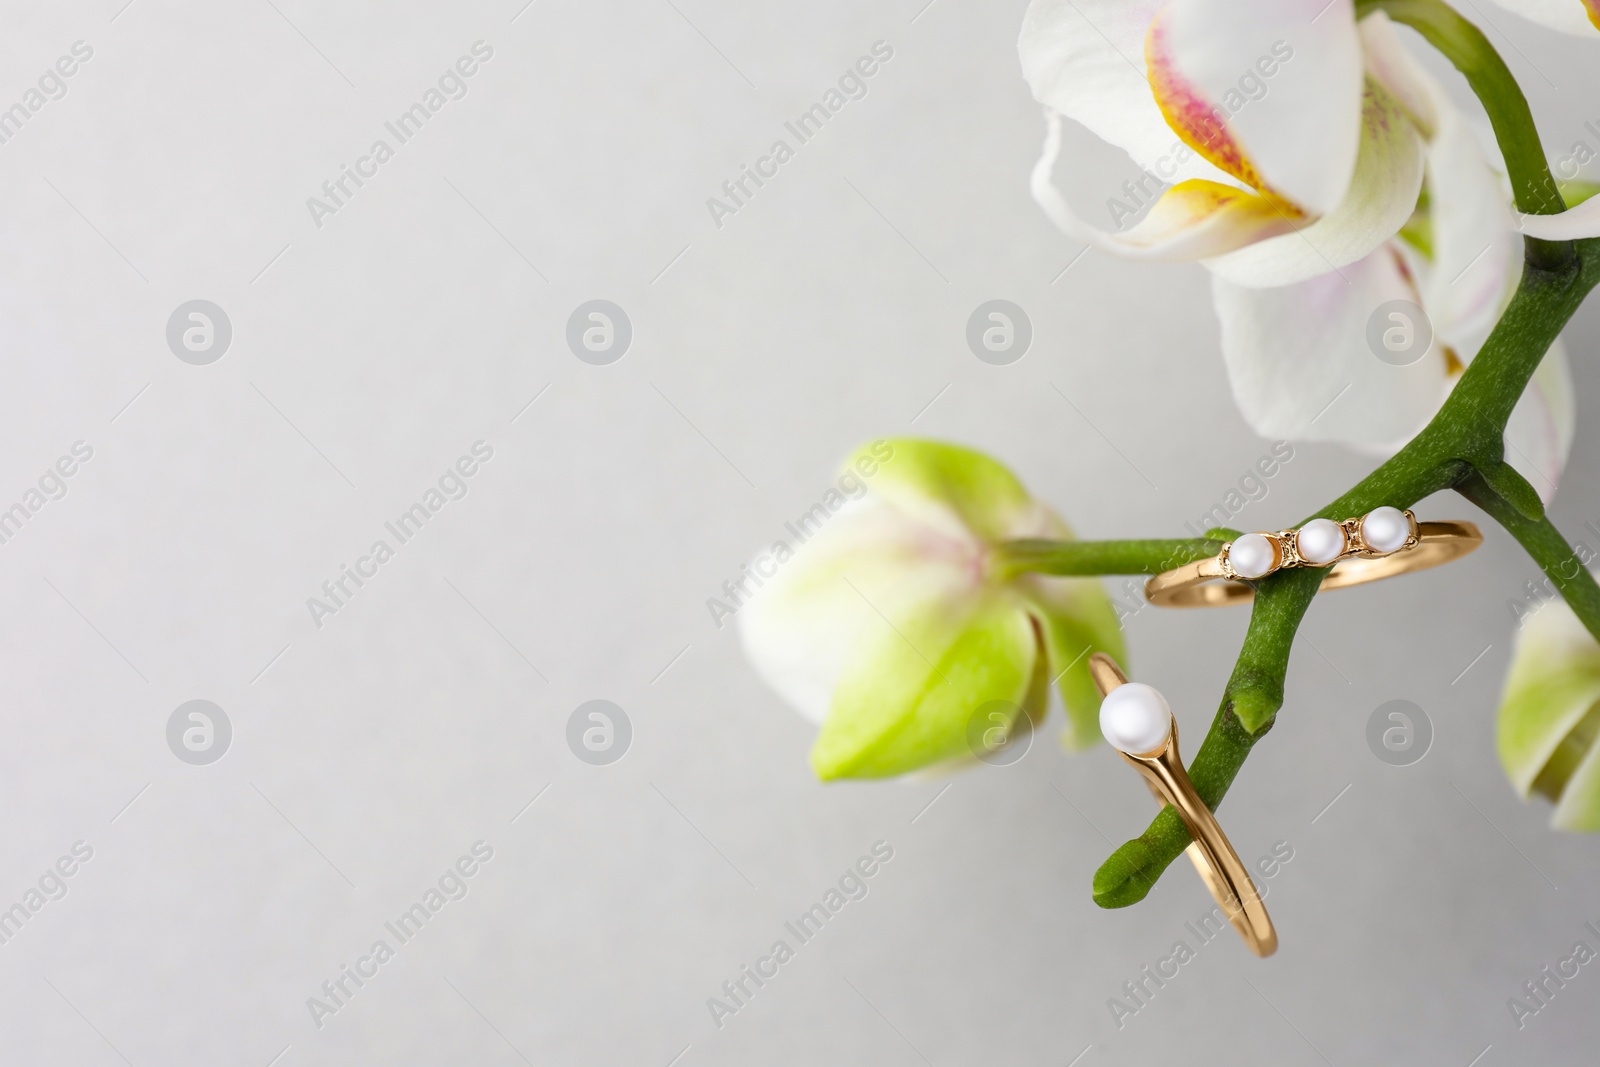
[1593, 9]
[1200, 124]
[1206, 212]
[1194, 219]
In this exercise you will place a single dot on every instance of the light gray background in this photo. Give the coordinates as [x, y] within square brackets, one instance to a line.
[368, 755]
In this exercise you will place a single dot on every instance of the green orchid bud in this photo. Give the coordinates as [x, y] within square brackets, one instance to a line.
[1550, 716]
[891, 624]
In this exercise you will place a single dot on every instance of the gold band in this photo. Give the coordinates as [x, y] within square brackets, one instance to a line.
[1213, 856]
[1196, 585]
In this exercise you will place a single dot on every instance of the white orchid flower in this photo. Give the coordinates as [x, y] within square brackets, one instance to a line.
[1301, 357]
[893, 628]
[1288, 161]
[1320, 174]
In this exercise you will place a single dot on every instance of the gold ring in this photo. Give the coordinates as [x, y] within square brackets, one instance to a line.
[1139, 724]
[1384, 542]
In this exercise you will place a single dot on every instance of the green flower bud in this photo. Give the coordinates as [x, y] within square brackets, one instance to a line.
[892, 625]
[1550, 716]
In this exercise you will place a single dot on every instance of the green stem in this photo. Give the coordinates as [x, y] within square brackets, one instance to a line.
[1544, 543]
[1463, 446]
[1465, 46]
[1256, 690]
[1466, 435]
[1100, 557]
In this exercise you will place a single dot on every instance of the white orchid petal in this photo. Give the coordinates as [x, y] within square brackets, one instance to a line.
[1085, 59]
[1382, 196]
[1571, 225]
[1300, 365]
[1269, 90]
[820, 610]
[1578, 17]
[1193, 220]
[1476, 256]
[1539, 433]
[1393, 66]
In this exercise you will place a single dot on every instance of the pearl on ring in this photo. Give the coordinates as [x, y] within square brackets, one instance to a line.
[1253, 555]
[1135, 718]
[1320, 541]
[1385, 529]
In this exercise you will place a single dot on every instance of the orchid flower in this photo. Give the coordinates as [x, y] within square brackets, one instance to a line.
[896, 623]
[1300, 356]
[1320, 174]
[1550, 716]
[1288, 161]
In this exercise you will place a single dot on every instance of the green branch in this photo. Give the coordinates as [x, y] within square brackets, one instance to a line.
[1254, 693]
[1100, 557]
[1466, 435]
[1462, 446]
[1544, 543]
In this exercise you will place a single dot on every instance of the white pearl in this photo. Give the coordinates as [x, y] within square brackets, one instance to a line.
[1385, 529]
[1320, 541]
[1252, 556]
[1135, 718]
